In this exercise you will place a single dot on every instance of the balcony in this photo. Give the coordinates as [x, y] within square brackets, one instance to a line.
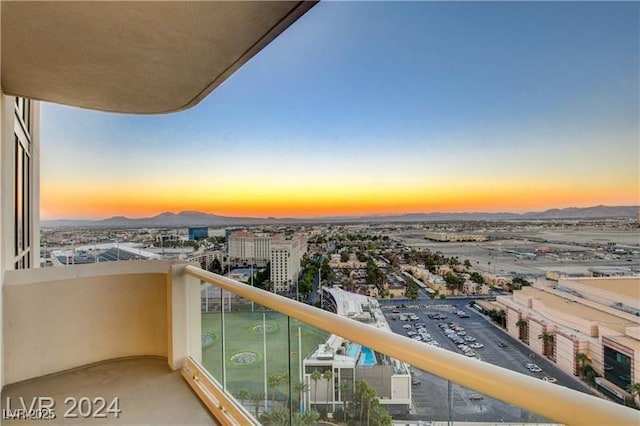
[146, 390]
[125, 329]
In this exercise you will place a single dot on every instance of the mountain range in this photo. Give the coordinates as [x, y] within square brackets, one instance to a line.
[195, 218]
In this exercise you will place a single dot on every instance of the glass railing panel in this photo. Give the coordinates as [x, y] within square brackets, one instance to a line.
[310, 385]
[284, 369]
[469, 405]
[212, 302]
[436, 399]
[253, 354]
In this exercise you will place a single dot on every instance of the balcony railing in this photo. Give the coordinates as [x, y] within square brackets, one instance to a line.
[92, 313]
[235, 299]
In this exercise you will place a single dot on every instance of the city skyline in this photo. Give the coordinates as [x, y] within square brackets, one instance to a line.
[379, 108]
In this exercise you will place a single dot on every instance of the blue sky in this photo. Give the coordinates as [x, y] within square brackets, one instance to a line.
[429, 98]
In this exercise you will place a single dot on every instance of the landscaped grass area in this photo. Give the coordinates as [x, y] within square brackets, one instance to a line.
[244, 335]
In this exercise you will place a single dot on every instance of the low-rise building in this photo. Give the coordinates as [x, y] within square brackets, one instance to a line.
[350, 361]
[598, 317]
[453, 237]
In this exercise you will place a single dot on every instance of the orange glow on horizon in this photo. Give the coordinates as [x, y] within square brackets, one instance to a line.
[140, 201]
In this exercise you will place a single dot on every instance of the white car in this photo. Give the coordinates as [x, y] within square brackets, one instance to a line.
[549, 379]
[476, 345]
[407, 326]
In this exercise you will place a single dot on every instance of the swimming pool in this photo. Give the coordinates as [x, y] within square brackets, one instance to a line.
[368, 357]
[353, 350]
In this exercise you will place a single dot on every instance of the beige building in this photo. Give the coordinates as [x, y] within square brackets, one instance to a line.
[205, 258]
[594, 316]
[285, 255]
[244, 246]
[453, 237]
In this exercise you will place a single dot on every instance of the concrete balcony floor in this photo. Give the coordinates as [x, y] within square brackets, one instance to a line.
[149, 394]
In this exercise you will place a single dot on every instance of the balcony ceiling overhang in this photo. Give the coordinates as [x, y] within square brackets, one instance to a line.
[133, 57]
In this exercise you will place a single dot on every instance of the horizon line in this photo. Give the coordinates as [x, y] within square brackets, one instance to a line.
[338, 216]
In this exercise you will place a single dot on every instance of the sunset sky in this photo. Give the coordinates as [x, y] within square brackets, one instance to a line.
[379, 107]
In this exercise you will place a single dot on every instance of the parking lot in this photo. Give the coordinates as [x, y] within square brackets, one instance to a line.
[430, 393]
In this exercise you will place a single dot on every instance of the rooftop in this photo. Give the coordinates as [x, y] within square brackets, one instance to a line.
[626, 286]
[579, 310]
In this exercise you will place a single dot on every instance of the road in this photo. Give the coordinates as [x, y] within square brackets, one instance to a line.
[430, 396]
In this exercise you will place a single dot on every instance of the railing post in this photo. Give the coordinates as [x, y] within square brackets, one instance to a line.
[184, 326]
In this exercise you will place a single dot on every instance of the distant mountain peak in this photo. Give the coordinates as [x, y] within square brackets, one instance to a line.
[195, 218]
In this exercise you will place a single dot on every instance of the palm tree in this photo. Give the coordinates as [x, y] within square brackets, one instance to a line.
[273, 382]
[370, 395]
[522, 329]
[634, 389]
[275, 416]
[328, 376]
[361, 389]
[243, 395]
[343, 388]
[300, 388]
[547, 341]
[589, 373]
[583, 361]
[256, 398]
[315, 376]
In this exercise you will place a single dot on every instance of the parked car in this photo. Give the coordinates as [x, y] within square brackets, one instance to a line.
[475, 397]
[533, 368]
[549, 379]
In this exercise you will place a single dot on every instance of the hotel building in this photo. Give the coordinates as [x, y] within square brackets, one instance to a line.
[247, 246]
[598, 317]
[285, 255]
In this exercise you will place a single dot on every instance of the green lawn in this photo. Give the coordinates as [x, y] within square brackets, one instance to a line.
[241, 335]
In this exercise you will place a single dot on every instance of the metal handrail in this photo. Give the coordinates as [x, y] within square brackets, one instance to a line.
[555, 402]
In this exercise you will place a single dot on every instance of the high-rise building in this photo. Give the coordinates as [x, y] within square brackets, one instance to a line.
[285, 255]
[198, 232]
[249, 247]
